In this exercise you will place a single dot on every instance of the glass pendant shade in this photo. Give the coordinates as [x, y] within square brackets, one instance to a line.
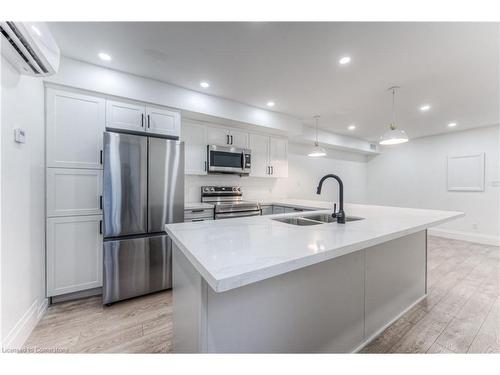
[317, 151]
[393, 137]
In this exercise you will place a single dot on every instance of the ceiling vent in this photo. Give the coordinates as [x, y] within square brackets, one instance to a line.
[30, 48]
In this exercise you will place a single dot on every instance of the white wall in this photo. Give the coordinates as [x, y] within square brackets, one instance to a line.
[414, 175]
[22, 201]
[305, 173]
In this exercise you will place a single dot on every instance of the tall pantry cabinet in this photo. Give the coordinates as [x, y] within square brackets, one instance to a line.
[75, 123]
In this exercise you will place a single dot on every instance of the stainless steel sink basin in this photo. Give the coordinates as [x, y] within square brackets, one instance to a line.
[314, 219]
[297, 221]
[328, 218]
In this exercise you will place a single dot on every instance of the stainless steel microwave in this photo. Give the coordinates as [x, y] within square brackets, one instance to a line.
[223, 159]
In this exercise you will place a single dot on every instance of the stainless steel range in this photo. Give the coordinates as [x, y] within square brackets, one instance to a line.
[228, 202]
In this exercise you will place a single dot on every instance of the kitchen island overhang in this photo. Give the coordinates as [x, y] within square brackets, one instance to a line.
[258, 285]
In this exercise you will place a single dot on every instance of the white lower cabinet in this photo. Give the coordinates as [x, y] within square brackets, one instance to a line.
[267, 210]
[278, 210]
[73, 192]
[74, 254]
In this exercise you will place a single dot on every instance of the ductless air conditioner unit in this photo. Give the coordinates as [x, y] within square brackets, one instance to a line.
[30, 47]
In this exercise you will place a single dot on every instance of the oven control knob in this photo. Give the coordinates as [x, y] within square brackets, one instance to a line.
[235, 188]
[212, 189]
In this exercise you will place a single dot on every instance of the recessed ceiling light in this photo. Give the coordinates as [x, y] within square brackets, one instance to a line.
[36, 30]
[351, 127]
[425, 107]
[104, 56]
[344, 60]
[452, 124]
[270, 103]
[204, 84]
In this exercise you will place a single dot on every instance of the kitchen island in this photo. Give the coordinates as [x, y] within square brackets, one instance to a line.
[259, 285]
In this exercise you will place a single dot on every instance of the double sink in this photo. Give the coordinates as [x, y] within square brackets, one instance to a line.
[314, 219]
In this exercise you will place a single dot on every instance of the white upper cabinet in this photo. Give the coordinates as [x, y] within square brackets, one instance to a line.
[220, 136]
[269, 156]
[163, 121]
[278, 156]
[138, 117]
[125, 116]
[259, 145]
[238, 138]
[195, 139]
[74, 192]
[75, 125]
[74, 254]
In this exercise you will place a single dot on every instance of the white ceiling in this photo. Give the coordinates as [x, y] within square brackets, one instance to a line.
[454, 67]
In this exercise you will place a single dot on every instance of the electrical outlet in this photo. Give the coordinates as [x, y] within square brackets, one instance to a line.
[19, 135]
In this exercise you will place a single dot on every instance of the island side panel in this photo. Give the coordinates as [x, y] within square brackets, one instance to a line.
[395, 279]
[315, 309]
[188, 305]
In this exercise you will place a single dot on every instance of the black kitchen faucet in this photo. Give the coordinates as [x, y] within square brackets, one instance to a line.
[341, 214]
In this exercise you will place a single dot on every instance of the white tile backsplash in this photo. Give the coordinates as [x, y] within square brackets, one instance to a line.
[253, 187]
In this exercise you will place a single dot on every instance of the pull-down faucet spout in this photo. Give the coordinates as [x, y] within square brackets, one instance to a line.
[339, 215]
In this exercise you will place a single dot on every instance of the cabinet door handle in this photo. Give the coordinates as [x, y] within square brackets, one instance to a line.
[197, 210]
[205, 166]
[142, 120]
[100, 202]
[100, 157]
[149, 122]
[272, 169]
[231, 139]
[100, 226]
[227, 139]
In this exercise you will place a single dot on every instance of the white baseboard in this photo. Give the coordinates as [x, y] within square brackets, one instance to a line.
[484, 239]
[18, 335]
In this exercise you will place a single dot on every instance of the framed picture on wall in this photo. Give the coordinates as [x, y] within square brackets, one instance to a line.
[466, 172]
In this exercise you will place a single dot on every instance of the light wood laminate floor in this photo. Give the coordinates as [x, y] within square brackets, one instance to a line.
[460, 314]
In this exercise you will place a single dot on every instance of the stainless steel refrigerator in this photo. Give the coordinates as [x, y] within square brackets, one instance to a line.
[143, 190]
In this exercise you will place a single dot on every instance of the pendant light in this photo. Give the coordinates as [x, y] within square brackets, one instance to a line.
[317, 151]
[394, 136]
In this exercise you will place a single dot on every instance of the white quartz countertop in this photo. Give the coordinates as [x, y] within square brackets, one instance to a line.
[236, 252]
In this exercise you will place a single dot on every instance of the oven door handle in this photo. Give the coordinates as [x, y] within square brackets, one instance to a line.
[237, 214]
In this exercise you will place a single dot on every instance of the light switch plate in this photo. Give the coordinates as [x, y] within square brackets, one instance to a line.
[19, 135]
